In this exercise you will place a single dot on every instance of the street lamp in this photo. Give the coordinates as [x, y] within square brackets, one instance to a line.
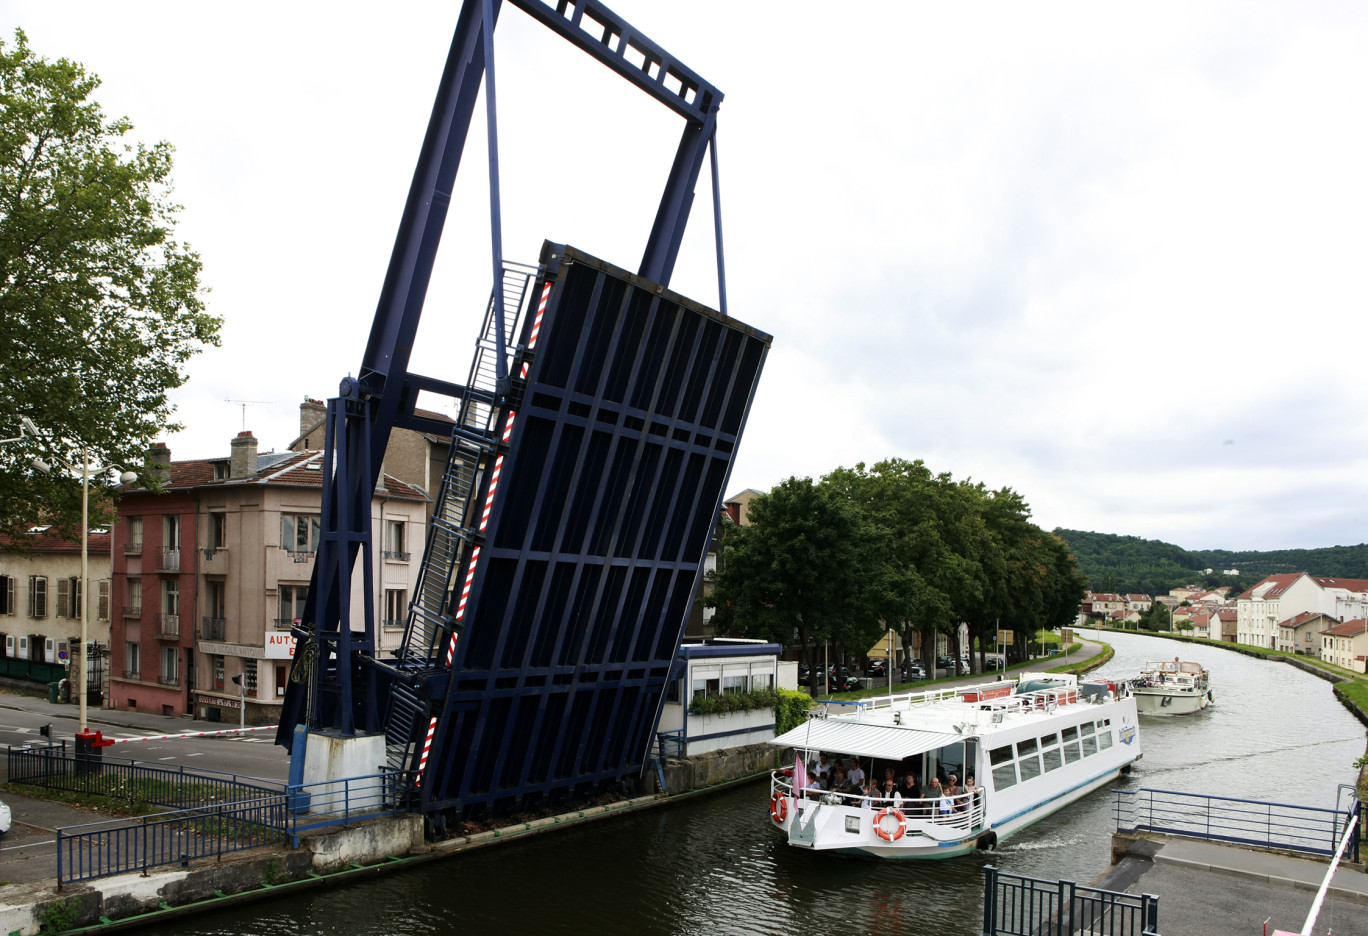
[87, 471]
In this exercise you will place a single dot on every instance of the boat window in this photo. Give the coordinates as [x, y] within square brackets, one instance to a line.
[1071, 752]
[1026, 747]
[1069, 734]
[1104, 739]
[1004, 775]
[1089, 745]
[1029, 764]
[1050, 740]
[1000, 755]
[1052, 760]
[1086, 728]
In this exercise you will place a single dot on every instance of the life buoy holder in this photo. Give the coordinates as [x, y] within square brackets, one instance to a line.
[778, 808]
[883, 833]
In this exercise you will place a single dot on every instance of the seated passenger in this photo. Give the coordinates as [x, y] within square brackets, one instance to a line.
[821, 768]
[889, 794]
[870, 797]
[854, 774]
[909, 787]
[945, 806]
[839, 783]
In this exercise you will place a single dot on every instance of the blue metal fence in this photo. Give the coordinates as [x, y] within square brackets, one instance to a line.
[53, 767]
[1014, 905]
[118, 846]
[1280, 826]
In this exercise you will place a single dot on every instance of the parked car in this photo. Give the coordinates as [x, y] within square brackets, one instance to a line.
[913, 672]
[877, 669]
[844, 683]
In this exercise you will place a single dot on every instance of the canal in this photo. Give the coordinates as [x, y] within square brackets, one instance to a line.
[711, 866]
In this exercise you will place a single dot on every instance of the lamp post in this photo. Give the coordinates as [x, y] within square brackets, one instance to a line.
[88, 471]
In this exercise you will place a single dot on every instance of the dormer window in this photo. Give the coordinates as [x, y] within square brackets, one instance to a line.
[220, 471]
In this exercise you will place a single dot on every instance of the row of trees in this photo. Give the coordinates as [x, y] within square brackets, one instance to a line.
[862, 550]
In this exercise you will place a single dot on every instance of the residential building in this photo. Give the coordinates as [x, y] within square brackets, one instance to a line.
[710, 670]
[1140, 603]
[1280, 597]
[737, 506]
[213, 570]
[1346, 645]
[40, 605]
[1229, 624]
[1301, 633]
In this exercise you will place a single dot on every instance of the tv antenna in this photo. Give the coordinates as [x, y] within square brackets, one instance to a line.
[246, 403]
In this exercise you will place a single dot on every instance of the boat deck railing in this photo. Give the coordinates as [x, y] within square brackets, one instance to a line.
[965, 810]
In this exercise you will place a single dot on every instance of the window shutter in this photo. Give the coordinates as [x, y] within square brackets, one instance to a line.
[63, 598]
[102, 612]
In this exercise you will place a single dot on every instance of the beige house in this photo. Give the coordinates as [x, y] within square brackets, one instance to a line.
[1302, 632]
[40, 603]
[1346, 645]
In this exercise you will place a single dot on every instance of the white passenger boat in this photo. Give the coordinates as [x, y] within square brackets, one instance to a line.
[1034, 747]
[1177, 688]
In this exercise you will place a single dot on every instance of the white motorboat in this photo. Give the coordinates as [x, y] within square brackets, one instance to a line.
[1036, 746]
[1177, 688]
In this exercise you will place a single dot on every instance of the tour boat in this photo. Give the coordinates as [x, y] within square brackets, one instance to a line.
[1034, 746]
[1177, 688]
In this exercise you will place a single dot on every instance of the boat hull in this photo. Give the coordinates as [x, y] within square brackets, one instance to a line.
[1171, 702]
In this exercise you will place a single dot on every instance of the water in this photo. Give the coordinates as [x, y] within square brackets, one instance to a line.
[711, 866]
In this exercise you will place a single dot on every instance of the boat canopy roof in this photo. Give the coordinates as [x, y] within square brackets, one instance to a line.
[886, 742]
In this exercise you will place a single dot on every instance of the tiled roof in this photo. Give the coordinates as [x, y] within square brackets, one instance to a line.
[1277, 585]
[1300, 619]
[297, 469]
[1347, 629]
[47, 540]
[1353, 585]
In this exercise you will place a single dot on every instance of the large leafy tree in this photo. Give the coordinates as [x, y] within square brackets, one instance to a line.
[804, 570]
[100, 307]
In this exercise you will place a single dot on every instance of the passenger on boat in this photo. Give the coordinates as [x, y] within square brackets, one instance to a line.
[933, 796]
[889, 794]
[909, 787]
[955, 793]
[839, 783]
[821, 768]
[971, 792]
[854, 774]
[945, 806]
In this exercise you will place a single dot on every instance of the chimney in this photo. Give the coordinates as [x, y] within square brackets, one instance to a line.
[244, 460]
[312, 415]
[159, 462]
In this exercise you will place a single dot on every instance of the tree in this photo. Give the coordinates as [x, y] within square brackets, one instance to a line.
[803, 568]
[100, 307]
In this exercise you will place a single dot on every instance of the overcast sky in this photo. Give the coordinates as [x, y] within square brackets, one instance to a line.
[1109, 257]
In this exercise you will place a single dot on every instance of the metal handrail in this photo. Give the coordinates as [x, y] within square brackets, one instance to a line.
[927, 808]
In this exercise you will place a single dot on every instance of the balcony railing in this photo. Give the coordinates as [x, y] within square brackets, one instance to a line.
[396, 555]
[301, 556]
[172, 680]
[393, 623]
[132, 674]
[213, 628]
[133, 549]
[170, 560]
[132, 610]
[168, 626]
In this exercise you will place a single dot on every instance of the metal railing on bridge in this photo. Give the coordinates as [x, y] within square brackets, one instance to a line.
[1014, 905]
[1280, 826]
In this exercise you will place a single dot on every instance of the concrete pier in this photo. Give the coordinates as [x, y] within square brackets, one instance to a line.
[1210, 889]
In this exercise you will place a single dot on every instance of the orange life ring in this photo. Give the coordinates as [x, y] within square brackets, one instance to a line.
[883, 833]
[778, 807]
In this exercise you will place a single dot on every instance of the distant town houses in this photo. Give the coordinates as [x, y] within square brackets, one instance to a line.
[1312, 615]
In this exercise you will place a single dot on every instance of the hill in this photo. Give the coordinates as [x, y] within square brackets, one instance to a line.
[1113, 563]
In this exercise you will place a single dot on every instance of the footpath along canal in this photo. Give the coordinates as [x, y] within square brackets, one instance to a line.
[711, 866]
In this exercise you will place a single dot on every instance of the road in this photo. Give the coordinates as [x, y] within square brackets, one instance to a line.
[253, 755]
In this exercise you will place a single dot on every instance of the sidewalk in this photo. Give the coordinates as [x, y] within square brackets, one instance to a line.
[28, 852]
[99, 718]
[1209, 889]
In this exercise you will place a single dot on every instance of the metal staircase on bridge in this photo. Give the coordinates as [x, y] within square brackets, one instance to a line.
[454, 530]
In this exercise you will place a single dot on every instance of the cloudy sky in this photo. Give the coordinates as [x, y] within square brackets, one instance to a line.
[1111, 257]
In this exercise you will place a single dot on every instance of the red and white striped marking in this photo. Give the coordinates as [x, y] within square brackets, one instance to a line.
[427, 749]
[536, 323]
[192, 734]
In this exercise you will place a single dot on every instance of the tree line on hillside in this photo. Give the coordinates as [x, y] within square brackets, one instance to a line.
[844, 559]
[1129, 564]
